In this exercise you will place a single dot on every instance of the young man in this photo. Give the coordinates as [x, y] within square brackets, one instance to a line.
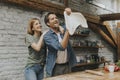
[60, 56]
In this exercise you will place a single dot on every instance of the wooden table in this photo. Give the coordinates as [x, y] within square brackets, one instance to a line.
[87, 76]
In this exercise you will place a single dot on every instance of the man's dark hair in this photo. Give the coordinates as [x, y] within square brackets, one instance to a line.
[46, 19]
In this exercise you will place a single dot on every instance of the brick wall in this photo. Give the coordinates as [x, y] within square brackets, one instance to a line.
[13, 52]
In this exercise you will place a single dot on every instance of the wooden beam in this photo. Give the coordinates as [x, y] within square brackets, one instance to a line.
[66, 3]
[99, 31]
[107, 17]
[118, 40]
[113, 36]
[38, 5]
[91, 18]
[51, 7]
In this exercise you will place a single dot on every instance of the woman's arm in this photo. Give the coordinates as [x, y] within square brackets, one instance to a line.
[37, 46]
[61, 29]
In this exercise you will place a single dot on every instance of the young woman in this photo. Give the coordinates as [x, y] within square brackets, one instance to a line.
[34, 69]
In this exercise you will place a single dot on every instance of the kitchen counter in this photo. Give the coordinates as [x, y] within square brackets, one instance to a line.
[87, 76]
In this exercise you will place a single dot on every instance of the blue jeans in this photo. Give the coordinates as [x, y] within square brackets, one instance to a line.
[34, 72]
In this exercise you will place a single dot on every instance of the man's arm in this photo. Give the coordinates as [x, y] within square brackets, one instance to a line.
[64, 42]
[52, 41]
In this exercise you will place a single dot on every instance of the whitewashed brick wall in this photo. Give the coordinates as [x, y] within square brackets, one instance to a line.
[13, 52]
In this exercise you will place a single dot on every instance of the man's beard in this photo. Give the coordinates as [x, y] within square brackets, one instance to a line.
[56, 28]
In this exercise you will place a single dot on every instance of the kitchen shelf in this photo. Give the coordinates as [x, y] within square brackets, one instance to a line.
[86, 47]
[84, 64]
[82, 35]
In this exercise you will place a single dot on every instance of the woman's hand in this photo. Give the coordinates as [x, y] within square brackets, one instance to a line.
[61, 29]
[68, 11]
[44, 33]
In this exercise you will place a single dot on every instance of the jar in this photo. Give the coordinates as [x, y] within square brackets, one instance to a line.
[102, 58]
[88, 58]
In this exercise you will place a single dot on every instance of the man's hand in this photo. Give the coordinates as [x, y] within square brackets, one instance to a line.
[68, 11]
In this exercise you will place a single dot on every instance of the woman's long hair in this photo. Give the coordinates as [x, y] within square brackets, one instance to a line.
[30, 26]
